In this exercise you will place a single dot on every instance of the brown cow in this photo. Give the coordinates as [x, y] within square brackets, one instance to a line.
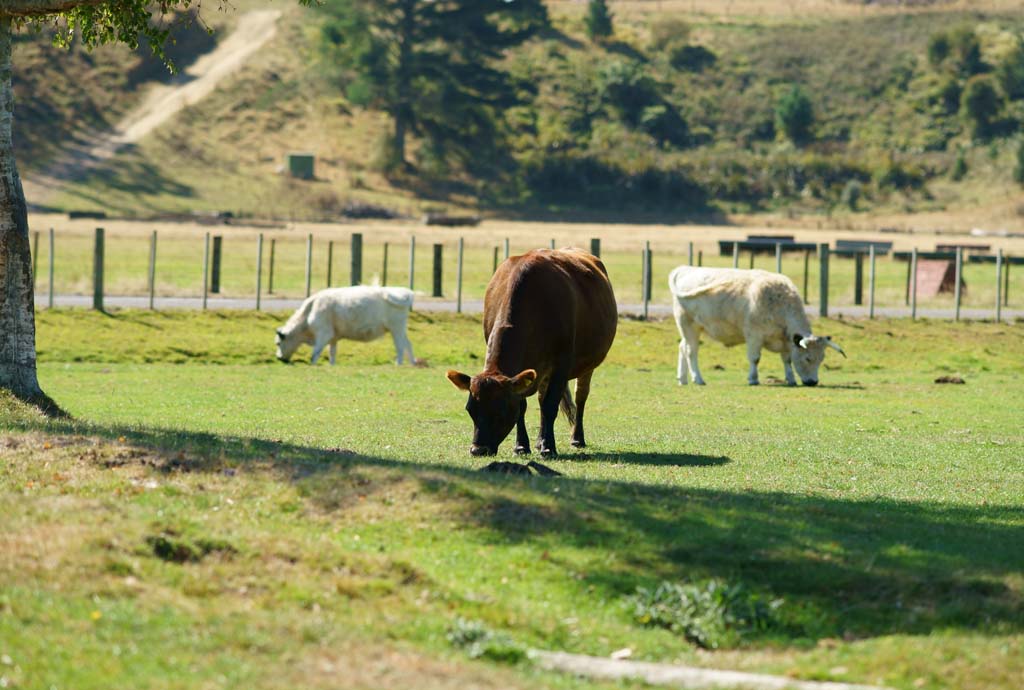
[549, 317]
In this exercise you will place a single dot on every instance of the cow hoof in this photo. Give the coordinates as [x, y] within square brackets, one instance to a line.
[521, 450]
[578, 444]
[548, 453]
[753, 383]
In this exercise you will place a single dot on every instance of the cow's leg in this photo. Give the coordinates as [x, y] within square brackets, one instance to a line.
[549, 401]
[334, 351]
[691, 343]
[754, 357]
[788, 366]
[402, 345]
[681, 370]
[582, 393]
[317, 349]
[522, 437]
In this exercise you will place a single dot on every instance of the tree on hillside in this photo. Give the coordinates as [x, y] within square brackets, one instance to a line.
[795, 115]
[981, 104]
[95, 22]
[434, 67]
[598, 21]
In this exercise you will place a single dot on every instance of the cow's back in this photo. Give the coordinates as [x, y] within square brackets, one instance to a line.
[353, 313]
[550, 308]
[729, 302]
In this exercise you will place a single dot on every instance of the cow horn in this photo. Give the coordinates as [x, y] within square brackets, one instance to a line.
[828, 341]
[798, 340]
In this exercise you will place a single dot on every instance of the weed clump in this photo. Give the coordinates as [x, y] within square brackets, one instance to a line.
[480, 642]
[710, 614]
[171, 547]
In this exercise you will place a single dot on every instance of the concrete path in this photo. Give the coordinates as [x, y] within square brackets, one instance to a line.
[475, 306]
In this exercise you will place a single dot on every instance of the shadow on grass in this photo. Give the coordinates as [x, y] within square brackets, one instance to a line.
[664, 459]
[846, 568]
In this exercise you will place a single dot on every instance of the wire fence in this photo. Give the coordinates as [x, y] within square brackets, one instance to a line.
[287, 266]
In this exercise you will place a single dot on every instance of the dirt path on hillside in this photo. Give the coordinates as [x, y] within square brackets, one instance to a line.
[253, 31]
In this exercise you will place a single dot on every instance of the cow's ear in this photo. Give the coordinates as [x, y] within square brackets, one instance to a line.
[459, 380]
[280, 333]
[523, 381]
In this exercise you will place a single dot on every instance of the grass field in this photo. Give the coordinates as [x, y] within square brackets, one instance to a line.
[215, 519]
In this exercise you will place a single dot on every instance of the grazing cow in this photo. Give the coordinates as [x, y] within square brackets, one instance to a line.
[549, 317]
[757, 307]
[354, 313]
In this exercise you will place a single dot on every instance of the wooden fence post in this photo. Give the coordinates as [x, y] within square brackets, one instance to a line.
[506, 247]
[97, 271]
[823, 279]
[152, 270]
[309, 262]
[458, 280]
[959, 267]
[871, 281]
[495, 266]
[330, 261]
[412, 260]
[858, 278]
[357, 258]
[270, 277]
[778, 257]
[595, 246]
[700, 257]
[807, 263]
[215, 269]
[735, 254]
[645, 280]
[384, 276]
[206, 267]
[438, 257]
[998, 285]
[259, 266]
[552, 242]
[912, 277]
[49, 298]
[689, 255]
[1006, 283]
[650, 272]
[751, 259]
[910, 268]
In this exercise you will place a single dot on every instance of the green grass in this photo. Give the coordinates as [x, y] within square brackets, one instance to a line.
[336, 520]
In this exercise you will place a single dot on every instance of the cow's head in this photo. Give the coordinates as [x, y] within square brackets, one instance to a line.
[287, 343]
[494, 404]
[807, 352]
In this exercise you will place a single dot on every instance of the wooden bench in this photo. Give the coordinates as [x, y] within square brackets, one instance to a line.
[854, 247]
[980, 248]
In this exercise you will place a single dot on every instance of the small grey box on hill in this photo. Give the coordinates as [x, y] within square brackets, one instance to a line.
[301, 165]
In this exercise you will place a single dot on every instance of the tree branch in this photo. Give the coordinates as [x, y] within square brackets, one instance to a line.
[42, 8]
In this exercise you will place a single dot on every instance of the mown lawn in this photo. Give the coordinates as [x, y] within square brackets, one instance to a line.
[215, 519]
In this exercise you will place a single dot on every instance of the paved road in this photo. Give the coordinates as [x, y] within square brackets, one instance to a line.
[476, 306]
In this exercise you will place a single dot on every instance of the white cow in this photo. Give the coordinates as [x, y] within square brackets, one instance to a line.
[757, 307]
[354, 313]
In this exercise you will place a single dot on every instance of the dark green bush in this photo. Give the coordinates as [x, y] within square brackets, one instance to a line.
[938, 48]
[795, 115]
[711, 613]
[1018, 168]
[691, 58]
[599, 20]
[1010, 73]
[980, 104]
[959, 170]
[851, 194]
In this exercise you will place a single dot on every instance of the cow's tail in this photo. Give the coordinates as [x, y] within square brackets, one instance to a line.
[568, 406]
[399, 297]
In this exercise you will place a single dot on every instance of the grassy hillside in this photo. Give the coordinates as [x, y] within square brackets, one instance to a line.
[696, 132]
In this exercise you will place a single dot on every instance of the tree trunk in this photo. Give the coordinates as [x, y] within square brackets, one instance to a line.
[17, 298]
